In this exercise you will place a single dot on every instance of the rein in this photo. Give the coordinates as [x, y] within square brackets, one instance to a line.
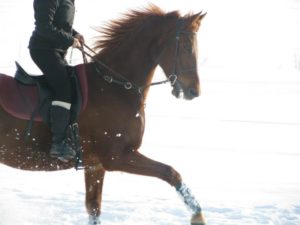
[117, 78]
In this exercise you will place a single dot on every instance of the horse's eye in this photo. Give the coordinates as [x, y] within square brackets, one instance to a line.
[188, 48]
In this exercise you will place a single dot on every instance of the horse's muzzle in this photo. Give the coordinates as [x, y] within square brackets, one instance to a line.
[188, 93]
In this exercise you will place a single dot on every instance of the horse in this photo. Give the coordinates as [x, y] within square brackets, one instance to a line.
[119, 76]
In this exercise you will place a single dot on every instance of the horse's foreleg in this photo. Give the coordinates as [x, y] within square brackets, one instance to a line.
[94, 177]
[136, 163]
[191, 202]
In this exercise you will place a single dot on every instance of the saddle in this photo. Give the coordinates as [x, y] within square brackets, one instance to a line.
[29, 97]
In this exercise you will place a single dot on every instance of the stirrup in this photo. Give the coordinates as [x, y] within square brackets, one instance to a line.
[75, 140]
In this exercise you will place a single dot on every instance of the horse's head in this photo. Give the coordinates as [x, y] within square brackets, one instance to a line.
[153, 37]
[179, 57]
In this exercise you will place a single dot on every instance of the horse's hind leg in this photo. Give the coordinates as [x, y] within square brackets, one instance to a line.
[94, 177]
[134, 162]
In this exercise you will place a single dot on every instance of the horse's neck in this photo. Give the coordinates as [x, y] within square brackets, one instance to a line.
[141, 71]
[99, 87]
[136, 69]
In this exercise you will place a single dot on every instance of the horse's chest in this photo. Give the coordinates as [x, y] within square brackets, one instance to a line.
[135, 127]
[121, 127]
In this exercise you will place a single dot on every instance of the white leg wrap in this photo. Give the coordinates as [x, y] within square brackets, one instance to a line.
[189, 199]
[65, 105]
[94, 220]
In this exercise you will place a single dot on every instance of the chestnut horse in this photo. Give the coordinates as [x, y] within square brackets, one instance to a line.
[113, 123]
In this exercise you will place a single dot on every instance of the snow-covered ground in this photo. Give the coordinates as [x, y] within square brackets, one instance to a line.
[237, 146]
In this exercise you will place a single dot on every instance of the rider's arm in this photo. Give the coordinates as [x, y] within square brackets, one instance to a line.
[44, 13]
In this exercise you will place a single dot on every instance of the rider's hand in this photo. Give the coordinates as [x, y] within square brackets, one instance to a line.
[80, 38]
[76, 43]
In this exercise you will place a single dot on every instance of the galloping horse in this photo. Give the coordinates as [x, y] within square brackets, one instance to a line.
[113, 123]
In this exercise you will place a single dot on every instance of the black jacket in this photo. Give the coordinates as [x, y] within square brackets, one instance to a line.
[53, 24]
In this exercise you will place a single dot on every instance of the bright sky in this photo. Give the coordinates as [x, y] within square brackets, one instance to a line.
[235, 33]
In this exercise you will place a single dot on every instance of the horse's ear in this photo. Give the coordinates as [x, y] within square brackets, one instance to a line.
[196, 21]
[202, 15]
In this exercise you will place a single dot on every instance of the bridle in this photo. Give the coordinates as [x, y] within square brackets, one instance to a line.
[176, 55]
[119, 79]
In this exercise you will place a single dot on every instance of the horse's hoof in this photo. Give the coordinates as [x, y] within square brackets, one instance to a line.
[198, 219]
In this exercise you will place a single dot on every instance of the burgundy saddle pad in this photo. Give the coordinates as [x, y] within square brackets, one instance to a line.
[21, 100]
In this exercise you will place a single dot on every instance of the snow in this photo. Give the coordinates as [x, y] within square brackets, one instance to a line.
[237, 146]
[233, 188]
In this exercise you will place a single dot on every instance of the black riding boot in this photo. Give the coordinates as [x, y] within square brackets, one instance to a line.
[60, 147]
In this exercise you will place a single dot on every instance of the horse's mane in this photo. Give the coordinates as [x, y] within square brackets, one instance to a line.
[116, 31]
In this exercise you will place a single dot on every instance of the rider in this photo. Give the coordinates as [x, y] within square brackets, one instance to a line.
[48, 45]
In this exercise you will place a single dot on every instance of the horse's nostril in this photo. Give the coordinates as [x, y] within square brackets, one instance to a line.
[193, 92]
